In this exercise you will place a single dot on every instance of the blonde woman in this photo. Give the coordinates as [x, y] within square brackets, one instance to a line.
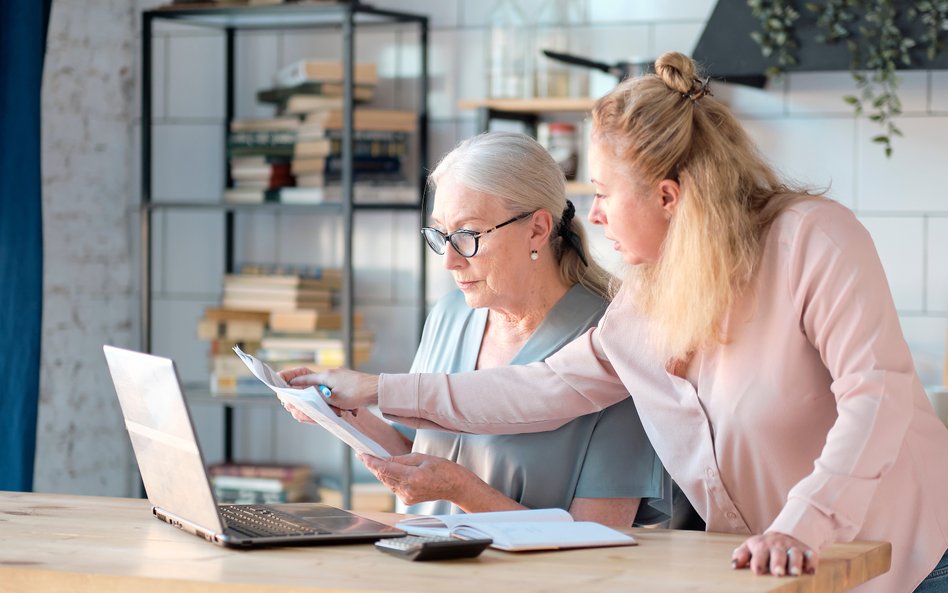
[756, 334]
[525, 287]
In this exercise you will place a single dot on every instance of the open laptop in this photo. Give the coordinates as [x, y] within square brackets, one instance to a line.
[175, 477]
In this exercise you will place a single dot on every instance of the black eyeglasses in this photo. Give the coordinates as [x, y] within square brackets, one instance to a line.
[465, 242]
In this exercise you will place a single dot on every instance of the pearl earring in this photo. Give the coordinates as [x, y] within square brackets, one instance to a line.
[534, 255]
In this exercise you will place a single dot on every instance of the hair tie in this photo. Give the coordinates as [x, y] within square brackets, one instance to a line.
[566, 231]
[699, 88]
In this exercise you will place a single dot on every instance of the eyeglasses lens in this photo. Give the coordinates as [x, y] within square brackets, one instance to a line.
[464, 243]
[435, 240]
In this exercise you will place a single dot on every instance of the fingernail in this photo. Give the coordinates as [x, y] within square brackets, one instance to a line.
[778, 571]
[733, 563]
[795, 571]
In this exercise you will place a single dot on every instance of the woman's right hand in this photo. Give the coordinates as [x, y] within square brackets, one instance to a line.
[350, 389]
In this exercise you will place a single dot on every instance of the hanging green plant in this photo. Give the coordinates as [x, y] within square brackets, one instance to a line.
[776, 38]
[877, 44]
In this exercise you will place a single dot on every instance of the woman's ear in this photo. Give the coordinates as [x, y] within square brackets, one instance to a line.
[541, 226]
[670, 191]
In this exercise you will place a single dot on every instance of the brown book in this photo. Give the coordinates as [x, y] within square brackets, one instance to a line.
[224, 314]
[309, 320]
[312, 148]
[327, 280]
[303, 166]
[364, 118]
[265, 124]
[225, 347]
[309, 70]
[366, 497]
[236, 330]
[309, 180]
[313, 341]
[314, 95]
[280, 471]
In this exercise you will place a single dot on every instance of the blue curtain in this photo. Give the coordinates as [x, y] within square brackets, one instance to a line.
[23, 25]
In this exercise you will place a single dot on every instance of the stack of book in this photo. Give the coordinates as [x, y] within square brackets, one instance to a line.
[296, 156]
[366, 496]
[317, 350]
[280, 292]
[255, 483]
[306, 84]
[260, 153]
[225, 328]
[284, 316]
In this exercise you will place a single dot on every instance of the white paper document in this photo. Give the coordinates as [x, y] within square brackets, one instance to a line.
[312, 403]
[532, 529]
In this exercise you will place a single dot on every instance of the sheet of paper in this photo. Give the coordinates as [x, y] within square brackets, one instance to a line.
[311, 402]
[524, 536]
[445, 522]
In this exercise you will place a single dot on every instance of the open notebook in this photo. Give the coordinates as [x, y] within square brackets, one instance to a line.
[515, 531]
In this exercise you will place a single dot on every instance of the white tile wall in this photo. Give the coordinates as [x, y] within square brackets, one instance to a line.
[938, 92]
[258, 54]
[819, 93]
[816, 152]
[900, 242]
[609, 11]
[936, 259]
[187, 163]
[925, 335]
[909, 181]
[193, 254]
[196, 86]
[680, 37]
[174, 323]
[441, 13]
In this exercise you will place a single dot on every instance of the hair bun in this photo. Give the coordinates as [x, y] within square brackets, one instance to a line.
[677, 71]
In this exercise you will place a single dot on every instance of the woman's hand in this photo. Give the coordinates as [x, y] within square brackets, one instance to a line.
[350, 389]
[776, 553]
[417, 477]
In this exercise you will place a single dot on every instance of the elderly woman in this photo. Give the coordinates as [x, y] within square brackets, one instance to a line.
[756, 334]
[525, 287]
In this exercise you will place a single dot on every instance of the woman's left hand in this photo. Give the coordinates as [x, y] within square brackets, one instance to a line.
[417, 477]
[776, 553]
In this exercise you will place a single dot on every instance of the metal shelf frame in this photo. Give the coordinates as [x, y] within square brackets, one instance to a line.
[345, 17]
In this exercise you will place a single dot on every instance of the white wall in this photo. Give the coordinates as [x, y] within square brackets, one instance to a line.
[90, 164]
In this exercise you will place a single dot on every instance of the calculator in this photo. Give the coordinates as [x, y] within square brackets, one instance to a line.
[425, 547]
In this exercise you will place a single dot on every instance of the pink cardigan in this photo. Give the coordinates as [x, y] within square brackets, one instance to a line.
[810, 421]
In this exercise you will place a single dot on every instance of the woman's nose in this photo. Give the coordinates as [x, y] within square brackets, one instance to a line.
[595, 215]
[451, 259]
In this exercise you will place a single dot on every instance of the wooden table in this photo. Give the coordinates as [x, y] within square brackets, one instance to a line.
[78, 544]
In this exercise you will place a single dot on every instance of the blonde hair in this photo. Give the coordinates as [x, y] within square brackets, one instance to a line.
[668, 126]
[521, 174]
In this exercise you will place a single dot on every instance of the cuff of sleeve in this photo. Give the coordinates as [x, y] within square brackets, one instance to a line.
[398, 395]
[804, 522]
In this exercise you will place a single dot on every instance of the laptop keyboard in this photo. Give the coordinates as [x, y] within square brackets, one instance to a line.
[262, 521]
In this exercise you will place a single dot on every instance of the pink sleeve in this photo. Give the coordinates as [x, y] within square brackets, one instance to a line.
[846, 311]
[541, 396]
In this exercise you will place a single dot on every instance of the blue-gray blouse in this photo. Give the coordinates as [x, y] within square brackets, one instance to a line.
[602, 455]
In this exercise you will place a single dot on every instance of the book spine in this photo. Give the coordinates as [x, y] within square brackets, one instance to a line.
[252, 138]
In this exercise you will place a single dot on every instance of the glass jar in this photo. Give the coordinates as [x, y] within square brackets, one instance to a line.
[560, 28]
[560, 140]
[507, 52]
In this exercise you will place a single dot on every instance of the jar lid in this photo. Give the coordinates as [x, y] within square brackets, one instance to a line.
[562, 127]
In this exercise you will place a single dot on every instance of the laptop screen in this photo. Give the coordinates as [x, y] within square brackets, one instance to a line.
[163, 437]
